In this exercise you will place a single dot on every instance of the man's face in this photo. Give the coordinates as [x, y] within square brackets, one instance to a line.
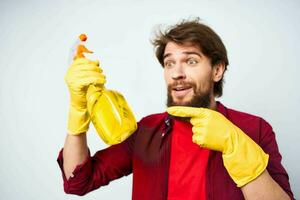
[189, 76]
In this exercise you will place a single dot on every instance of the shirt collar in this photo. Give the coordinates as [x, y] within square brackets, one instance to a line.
[222, 109]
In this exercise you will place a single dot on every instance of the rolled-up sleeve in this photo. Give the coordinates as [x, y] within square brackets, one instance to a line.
[98, 170]
[275, 167]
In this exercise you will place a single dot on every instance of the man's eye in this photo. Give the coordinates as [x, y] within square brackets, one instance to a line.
[191, 62]
[168, 64]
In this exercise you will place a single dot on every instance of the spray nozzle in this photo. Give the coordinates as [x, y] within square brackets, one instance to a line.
[81, 49]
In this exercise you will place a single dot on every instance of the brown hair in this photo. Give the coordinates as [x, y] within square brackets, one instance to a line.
[194, 32]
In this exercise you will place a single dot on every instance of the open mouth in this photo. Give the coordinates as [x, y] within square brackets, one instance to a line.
[180, 91]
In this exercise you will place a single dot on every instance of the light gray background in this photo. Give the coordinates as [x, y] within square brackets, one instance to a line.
[262, 39]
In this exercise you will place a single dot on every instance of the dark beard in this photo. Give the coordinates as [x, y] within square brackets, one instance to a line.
[200, 99]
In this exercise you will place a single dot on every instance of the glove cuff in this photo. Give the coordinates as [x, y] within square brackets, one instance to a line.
[246, 161]
[78, 121]
[78, 102]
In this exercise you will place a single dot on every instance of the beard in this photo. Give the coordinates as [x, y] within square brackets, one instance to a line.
[201, 97]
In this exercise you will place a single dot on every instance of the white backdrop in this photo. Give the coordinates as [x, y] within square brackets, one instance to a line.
[262, 40]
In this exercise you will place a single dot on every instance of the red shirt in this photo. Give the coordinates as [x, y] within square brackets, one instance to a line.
[187, 173]
[146, 154]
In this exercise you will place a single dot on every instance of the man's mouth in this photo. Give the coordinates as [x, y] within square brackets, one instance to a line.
[181, 91]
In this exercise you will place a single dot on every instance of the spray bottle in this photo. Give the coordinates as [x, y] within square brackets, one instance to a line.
[110, 113]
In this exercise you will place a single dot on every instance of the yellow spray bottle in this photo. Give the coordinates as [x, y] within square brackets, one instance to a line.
[110, 113]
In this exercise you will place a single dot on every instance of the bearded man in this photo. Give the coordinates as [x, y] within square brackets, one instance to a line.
[198, 148]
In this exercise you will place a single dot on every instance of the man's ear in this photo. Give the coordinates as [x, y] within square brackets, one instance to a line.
[218, 71]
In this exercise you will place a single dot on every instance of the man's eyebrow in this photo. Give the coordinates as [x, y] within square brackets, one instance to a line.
[193, 52]
[166, 55]
[185, 52]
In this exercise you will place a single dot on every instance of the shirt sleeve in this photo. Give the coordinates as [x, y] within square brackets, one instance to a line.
[275, 167]
[98, 170]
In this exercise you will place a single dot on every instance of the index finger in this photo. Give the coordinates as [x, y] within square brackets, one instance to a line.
[184, 111]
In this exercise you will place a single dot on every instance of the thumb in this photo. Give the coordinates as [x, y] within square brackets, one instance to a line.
[184, 111]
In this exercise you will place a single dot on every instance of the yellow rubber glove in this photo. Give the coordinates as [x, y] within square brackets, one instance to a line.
[81, 74]
[242, 157]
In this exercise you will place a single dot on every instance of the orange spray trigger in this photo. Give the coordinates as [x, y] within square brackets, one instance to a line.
[81, 49]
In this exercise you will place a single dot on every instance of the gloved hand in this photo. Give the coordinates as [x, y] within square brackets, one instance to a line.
[81, 74]
[242, 157]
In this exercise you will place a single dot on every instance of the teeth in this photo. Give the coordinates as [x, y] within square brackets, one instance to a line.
[179, 88]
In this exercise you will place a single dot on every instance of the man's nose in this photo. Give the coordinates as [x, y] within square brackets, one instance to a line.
[178, 72]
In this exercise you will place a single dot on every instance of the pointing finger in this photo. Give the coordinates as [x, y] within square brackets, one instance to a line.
[184, 111]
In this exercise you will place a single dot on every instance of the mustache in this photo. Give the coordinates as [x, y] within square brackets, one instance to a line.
[181, 83]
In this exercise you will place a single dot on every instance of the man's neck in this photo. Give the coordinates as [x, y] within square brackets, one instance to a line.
[213, 104]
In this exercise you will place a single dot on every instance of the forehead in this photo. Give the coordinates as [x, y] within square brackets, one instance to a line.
[176, 48]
